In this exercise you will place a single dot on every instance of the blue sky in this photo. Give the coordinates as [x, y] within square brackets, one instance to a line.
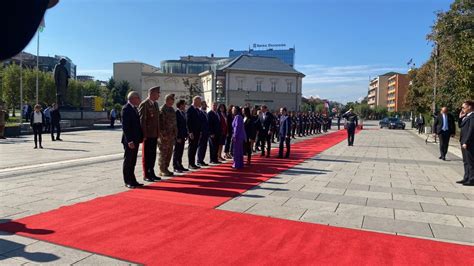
[339, 43]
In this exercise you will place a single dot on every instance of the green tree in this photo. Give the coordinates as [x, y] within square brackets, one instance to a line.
[11, 86]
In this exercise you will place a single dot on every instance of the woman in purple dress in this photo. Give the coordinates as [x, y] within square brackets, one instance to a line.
[238, 138]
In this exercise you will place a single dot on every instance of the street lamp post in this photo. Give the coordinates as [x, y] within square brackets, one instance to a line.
[435, 81]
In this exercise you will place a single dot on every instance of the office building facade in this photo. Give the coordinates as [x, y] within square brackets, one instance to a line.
[285, 55]
[397, 88]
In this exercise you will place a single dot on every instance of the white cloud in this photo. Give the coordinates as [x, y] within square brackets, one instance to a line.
[341, 83]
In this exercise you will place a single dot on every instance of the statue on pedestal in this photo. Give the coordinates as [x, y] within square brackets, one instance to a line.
[61, 79]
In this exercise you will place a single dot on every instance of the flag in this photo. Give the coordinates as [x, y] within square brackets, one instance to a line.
[41, 26]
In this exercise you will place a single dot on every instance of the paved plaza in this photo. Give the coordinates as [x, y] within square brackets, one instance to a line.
[390, 181]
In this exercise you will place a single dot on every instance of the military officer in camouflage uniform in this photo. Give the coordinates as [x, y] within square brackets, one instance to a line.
[168, 133]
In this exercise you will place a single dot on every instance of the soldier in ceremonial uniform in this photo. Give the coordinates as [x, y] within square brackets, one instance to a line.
[150, 122]
[351, 125]
[293, 124]
[299, 121]
[168, 133]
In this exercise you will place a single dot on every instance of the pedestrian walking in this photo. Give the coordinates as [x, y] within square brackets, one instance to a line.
[285, 133]
[194, 131]
[351, 125]
[37, 123]
[113, 117]
[466, 123]
[132, 136]
[444, 128]
[150, 124]
[420, 124]
[182, 136]
[266, 131]
[168, 134]
[47, 119]
[238, 138]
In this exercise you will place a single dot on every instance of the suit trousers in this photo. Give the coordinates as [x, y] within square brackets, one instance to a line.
[178, 154]
[149, 157]
[351, 133]
[201, 153]
[192, 149]
[129, 162]
[213, 148]
[266, 140]
[443, 143]
[248, 150]
[37, 131]
[56, 126]
[468, 160]
[284, 141]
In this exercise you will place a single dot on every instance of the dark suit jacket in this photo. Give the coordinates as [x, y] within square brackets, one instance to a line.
[193, 122]
[214, 124]
[181, 123]
[285, 126]
[250, 126]
[467, 131]
[55, 116]
[438, 124]
[32, 117]
[204, 123]
[267, 123]
[132, 130]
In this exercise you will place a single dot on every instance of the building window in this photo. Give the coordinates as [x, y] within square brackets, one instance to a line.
[259, 85]
[289, 86]
[240, 85]
[274, 86]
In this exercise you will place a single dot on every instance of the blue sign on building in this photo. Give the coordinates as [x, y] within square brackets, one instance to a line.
[286, 55]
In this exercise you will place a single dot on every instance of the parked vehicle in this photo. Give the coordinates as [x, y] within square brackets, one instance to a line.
[392, 123]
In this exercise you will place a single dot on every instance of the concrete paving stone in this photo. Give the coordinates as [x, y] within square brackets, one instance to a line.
[370, 183]
[277, 201]
[457, 189]
[256, 191]
[321, 206]
[394, 204]
[368, 194]
[319, 189]
[10, 261]
[348, 186]
[4, 186]
[469, 196]
[344, 208]
[102, 260]
[278, 187]
[460, 202]
[394, 190]
[416, 198]
[342, 199]
[334, 219]
[443, 209]
[7, 211]
[46, 253]
[296, 194]
[22, 214]
[43, 205]
[64, 195]
[426, 217]
[453, 233]
[31, 190]
[466, 221]
[441, 194]
[266, 209]
[236, 205]
[397, 226]
[10, 242]
[13, 200]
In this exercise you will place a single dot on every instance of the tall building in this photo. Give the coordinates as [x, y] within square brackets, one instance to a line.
[396, 92]
[45, 63]
[378, 87]
[193, 64]
[285, 55]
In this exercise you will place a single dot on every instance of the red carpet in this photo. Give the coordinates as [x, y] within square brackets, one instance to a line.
[174, 223]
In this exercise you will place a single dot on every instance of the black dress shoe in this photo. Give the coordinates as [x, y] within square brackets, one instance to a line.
[130, 186]
[444, 158]
[156, 178]
[440, 157]
[202, 164]
[178, 170]
[138, 184]
[470, 184]
[215, 162]
[59, 139]
[149, 179]
[194, 167]
[184, 169]
[461, 181]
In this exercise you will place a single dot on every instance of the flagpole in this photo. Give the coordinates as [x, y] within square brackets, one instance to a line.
[21, 89]
[37, 68]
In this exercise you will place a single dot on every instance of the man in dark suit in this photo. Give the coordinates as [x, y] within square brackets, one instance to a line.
[351, 125]
[55, 123]
[193, 123]
[466, 123]
[444, 128]
[214, 133]
[149, 112]
[180, 138]
[131, 138]
[266, 132]
[204, 139]
[285, 133]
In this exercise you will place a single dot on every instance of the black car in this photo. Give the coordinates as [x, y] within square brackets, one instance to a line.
[392, 123]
